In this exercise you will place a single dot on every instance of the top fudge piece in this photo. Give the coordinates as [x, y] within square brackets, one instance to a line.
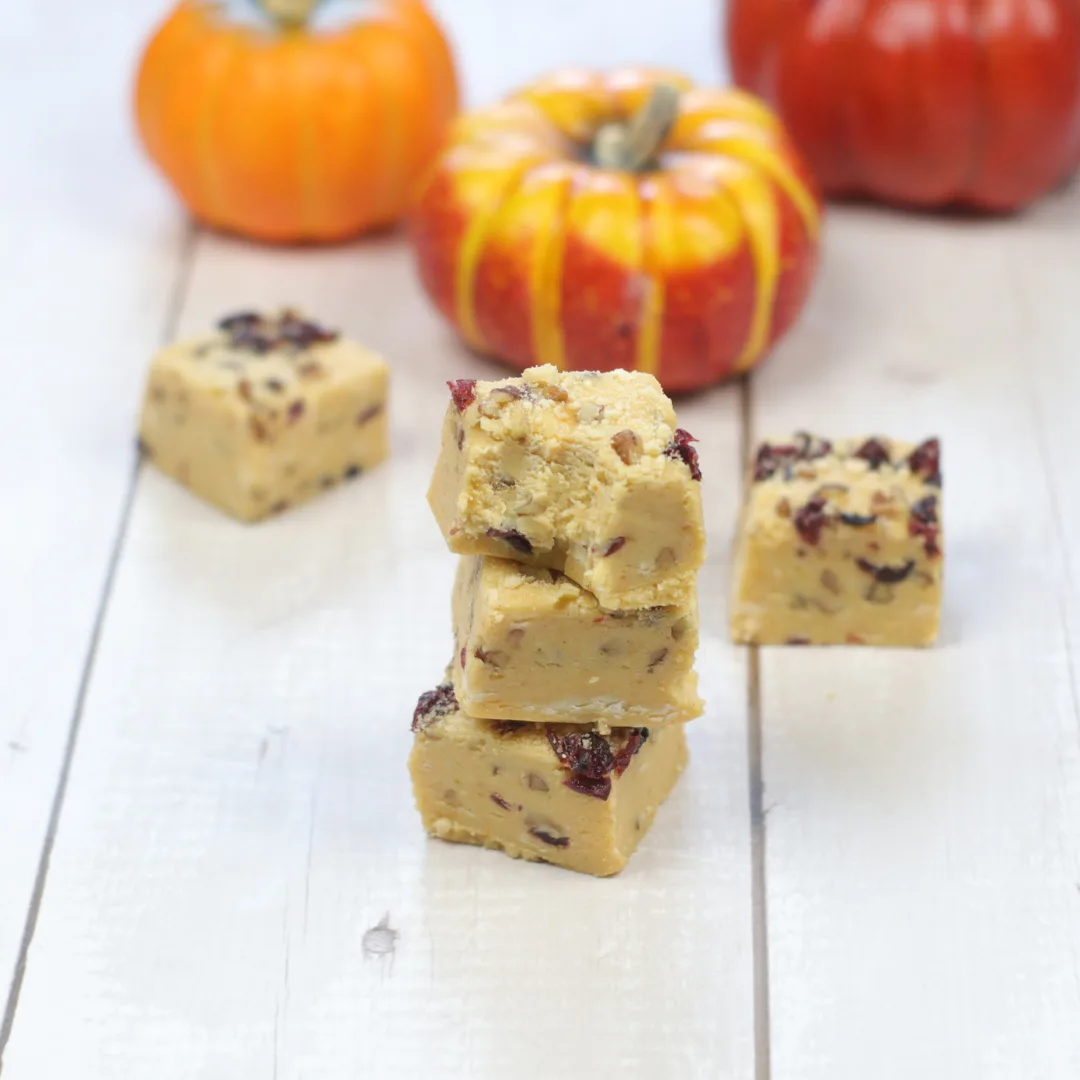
[264, 412]
[578, 471]
[840, 543]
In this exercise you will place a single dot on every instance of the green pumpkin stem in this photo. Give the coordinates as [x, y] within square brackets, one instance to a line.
[633, 146]
[289, 14]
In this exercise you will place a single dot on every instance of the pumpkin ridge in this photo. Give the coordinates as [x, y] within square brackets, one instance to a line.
[761, 225]
[715, 338]
[771, 161]
[650, 325]
[468, 259]
[154, 81]
[436, 59]
[307, 147]
[545, 282]
[209, 180]
[422, 49]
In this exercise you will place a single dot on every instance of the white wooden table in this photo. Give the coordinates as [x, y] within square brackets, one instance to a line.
[871, 870]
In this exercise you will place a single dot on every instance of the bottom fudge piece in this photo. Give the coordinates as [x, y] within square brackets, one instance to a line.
[265, 412]
[550, 793]
[840, 544]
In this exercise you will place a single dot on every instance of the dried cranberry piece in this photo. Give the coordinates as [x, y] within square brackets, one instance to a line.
[810, 519]
[925, 510]
[925, 460]
[798, 641]
[506, 727]
[368, 414]
[251, 340]
[635, 740]
[302, 333]
[874, 452]
[923, 522]
[239, 321]
[461, 656]
[516, 540]
[295, 411]
[322, 333]
[680, 448]
[463, 391]
[584, 752]
[614, 545]
[886, 575]
[554, 841]
[588, 757]
[498, 800]
[808, 447]
[599, 788]
[804, 447]
[434, 705]
[858, 521]
[770, 458]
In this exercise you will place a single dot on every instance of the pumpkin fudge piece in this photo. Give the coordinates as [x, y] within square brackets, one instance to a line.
[533, 645]
[265, 412]
[553, 793]
[840, 543]
[583, 472]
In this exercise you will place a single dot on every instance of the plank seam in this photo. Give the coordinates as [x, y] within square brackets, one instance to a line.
[173, 308]
[1061, 536]
[758, 882]
[1019, 282]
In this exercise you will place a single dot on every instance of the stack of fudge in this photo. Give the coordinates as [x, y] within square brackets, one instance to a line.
[573, 502]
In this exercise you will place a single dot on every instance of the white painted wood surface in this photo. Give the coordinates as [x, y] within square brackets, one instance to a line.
[90, 257]
[923, 809]
[237, 814]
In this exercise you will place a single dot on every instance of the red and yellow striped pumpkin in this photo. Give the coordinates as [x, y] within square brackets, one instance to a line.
[687, 262]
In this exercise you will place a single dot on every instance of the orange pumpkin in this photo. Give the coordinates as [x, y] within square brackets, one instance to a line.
[627, 220]
[286, 121]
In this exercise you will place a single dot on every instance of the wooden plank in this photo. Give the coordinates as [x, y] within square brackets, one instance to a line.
[239, 813]
[923, 808]
[91, 255]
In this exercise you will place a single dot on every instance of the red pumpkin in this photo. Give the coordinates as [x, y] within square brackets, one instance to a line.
[923, 102]
[620, 220]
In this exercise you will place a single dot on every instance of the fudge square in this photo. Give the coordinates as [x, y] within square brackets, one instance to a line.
[551, 793]
[265, 412]
[840, 543]
[583, 472]
[533, 645]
